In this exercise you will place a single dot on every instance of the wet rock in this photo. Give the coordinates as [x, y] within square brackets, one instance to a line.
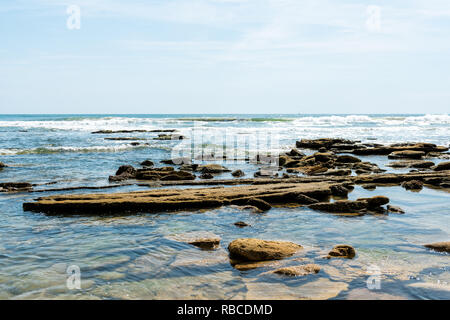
[117, 131]
[147, 163]
[295, 153]
[322, 150]
[177, 161]
[126, 169]
[260, 204]
[411, 164]
[189, 167]
[439, 246]
[347, 159]
[342, 251]
[323, 156]
[369, 186]
[395, 209]
[238, 173]
[241, 224]
[412, 185]
[266, 172]
[292, 164]
[442, 166]
[212, 168]
[339, 190]
[337, 172]
[206, 243]
[433, 181]
[15, 186]
[298, 270]
[178, 175]
[302, 199]
[407, 154]
[260, 250]
[206, 176]
[341, 206]
[321, 143]
[445, 184]
[375, 201]
[2, 165]
[282, 160]
[169, 137]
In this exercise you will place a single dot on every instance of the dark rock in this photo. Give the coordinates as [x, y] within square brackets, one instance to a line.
[342, 206]
[260, 204]
[394, 209]
[347, 159]
[369, 186]
[412, 185]
[206, 243]
[323, 156]
[261, 250]
[411, 164]
[147, 163]
[295, 153]
[2, 165]
[212, 168]
[169, 137]
[126, 169]
[241, 224]
[442, 166]
[406, 154]
[439, 246]
[302, 199]
[238, 173]
[177, 161]
[375, 201]
[206, 176]
[337, 172]
[339, 190]
[15, 186]
[342, 251]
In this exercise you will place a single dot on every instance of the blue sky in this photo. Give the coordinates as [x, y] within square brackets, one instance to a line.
[225, 56]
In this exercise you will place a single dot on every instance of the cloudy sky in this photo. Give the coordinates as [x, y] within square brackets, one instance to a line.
[225, 56]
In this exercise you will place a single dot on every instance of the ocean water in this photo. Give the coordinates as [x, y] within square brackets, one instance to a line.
[142, 256]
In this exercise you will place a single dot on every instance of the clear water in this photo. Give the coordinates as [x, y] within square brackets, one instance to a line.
[141, 256]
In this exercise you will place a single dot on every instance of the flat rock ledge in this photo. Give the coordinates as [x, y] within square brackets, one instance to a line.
[247, 249]
[166, 200]
[439, 246]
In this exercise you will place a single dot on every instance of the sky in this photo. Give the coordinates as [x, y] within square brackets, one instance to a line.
[225, 56]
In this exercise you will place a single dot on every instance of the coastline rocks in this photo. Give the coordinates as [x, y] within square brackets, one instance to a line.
[342, 251]
[347, 159]
[348, 206]
[206, 243]
[247, 249]
[439, 246]
[117, 131]
[147, 163]
[322, 143]
[295, 153]
[260, 204]
[407, 154]
[298, 270]
[163, 174]
[420, 164]
[442, 166]
[375, 201]
[124, 172]
[413, 185]
[15, 186]
[238, 173]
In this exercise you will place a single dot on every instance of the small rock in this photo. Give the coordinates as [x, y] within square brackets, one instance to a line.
[298, 270]
[206, 243]
[369, 186]
[241, 224]
[394, 209]
[413, 185]
[238, 173]
[342, 251]
[147, 163]
[439, 246]
[260, 204]
[206, 176]
[260, 250]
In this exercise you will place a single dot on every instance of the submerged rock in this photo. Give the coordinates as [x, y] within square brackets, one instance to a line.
[238, 173]
[248, 249]
[298, 270]
[439, 246]
[15, 186]
[206, 243]
[342, 251]
[413, 185]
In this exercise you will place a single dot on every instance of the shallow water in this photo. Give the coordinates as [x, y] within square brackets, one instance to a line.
[143, 256]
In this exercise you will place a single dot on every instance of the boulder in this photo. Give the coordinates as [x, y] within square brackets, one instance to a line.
[147, 163]
[406, 154]
[347, 159]
[413, 185]
[295, 153]
[342, 251]
[298, 270]
[442, 166]
[260, 204]
[375, 201]
[169, 137]
[126, 169]
[206, 243]
[339, 190]
[260, 250]
[439, 246]
[238, 173]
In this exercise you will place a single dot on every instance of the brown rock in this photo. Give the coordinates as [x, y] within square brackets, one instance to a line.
[147, 163]
[412, 185]
[347, 159]
[407, 154]
[15, 186]
[411, 164]
[298, 270]
[442, 166]
[375, 201]
[439, 246]
[342, 206]
[212, 168]
[260, 204]
[342, 251]
[395, 209]
[241, 224]
[206, 243]
[260, 250]
[238, 173]
[206, 176]
[126, 169]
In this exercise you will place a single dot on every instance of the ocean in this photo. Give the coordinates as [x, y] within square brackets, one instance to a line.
[140, 256]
